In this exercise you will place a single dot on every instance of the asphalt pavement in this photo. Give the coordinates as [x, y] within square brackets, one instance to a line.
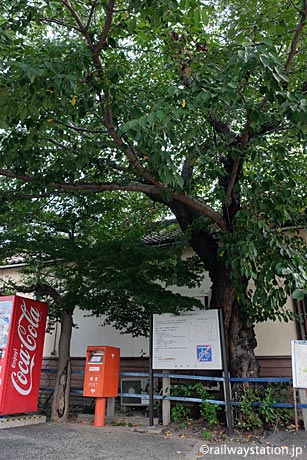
[76, 441]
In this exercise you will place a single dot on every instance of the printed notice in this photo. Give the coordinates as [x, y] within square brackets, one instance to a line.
[299, 363]
[203, 327]
[187, 341]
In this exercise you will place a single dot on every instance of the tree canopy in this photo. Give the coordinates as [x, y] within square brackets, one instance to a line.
[77, 253]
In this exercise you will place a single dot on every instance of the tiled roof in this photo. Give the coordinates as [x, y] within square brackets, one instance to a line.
[165, 235]
[163, 239]
[15, 260]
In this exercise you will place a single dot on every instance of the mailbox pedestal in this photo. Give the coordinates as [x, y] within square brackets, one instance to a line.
[101, 377]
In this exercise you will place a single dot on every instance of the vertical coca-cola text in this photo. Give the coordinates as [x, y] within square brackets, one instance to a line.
[28, 326]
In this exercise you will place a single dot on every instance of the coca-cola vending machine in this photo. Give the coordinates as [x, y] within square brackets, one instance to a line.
[22, 333]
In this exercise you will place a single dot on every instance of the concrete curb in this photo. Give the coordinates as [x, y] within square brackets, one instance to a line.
[21, 420]
[118, 419]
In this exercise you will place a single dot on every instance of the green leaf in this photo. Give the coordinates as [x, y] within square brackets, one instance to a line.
[298, 294]
[131, 25]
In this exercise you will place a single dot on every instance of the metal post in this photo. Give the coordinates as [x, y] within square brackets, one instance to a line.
[100, 407]
[151, 377]
[111, 407]
[303, 400]
[295, 409]
[227, 395]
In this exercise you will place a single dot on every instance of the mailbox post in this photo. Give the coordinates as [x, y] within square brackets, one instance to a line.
[101, 377]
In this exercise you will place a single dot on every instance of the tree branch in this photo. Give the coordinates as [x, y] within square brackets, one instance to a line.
[132, 158]
[9, 196]
[90, 16]
[232, 180]
[222, 128]
[44, 289]
[236, 164]
[245, 133]
[59, 23]
[202, 208]
[106, 29]
[81, 26]
[187, 170]
[56, 143]
[79, 128]
[148, 189]
[79, 186]
[297, 36]
[39, 288]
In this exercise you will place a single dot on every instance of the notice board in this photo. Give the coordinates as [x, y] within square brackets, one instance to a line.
[190, 340]
[299, 363]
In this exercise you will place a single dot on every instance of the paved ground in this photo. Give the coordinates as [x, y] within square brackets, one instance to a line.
[75, 441]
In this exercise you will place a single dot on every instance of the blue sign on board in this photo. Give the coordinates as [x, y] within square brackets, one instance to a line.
[204, 353]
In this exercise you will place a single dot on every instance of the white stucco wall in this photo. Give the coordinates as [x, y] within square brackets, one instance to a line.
[90, 332]
[51, 339]
[273, 338]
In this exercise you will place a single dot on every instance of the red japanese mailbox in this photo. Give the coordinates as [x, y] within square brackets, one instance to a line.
[101, 377]
[22, 334]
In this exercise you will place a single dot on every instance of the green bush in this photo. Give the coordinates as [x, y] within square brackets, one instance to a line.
[275, 416]
[206, 410]
[180, 413]
[249, 416]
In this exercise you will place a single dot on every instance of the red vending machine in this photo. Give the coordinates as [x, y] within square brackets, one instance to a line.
[22, 333]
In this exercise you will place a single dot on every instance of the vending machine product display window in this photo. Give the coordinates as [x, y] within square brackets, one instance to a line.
[6, 307]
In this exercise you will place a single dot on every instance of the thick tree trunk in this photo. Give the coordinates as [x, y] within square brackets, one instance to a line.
[240, 335]
[60, 400]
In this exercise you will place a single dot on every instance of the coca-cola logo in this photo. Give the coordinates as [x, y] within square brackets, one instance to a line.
[24, 357]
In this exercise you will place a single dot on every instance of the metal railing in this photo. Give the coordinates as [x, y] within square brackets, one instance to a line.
[202, 378]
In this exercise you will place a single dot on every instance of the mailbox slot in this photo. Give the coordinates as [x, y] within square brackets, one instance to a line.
[96, 357]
